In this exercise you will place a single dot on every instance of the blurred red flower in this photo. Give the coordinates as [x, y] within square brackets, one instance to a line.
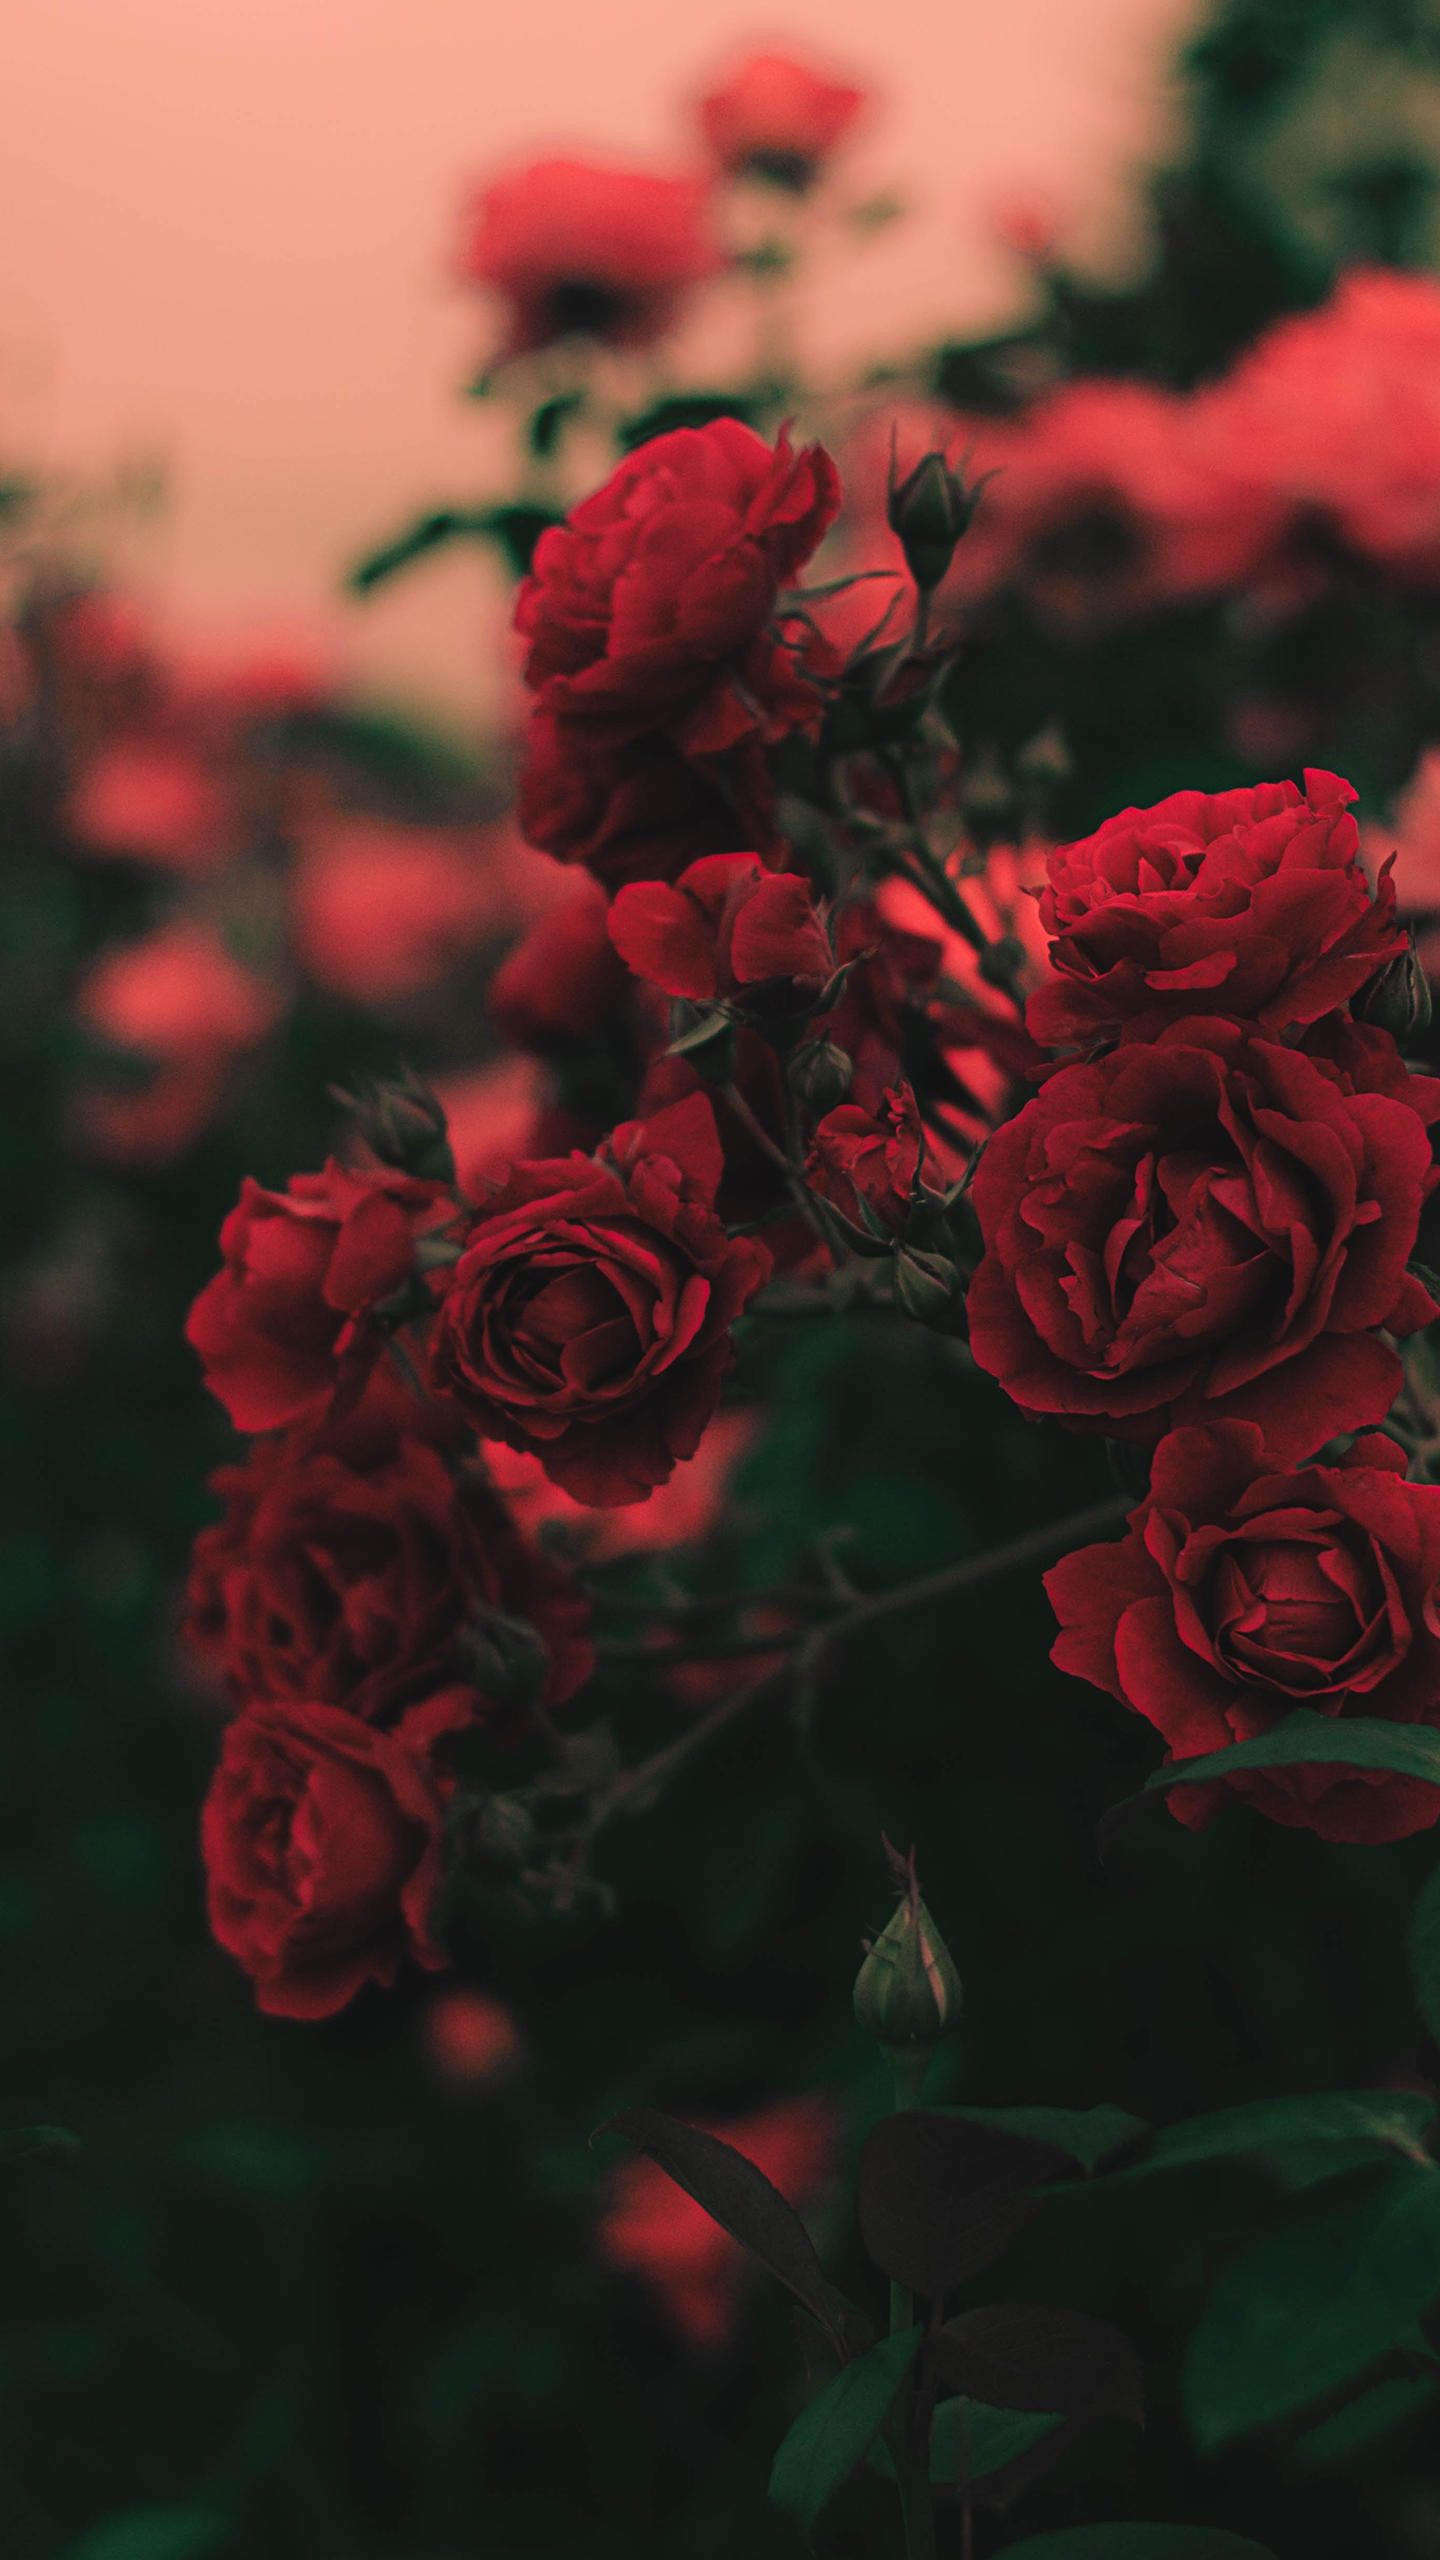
[651, 2229]
[587, 248]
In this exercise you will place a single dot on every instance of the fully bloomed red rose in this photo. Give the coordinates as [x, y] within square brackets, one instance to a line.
[653, 2230]
[321, 1837]
[563, 981]
[1243, 1590]
[660, 670]
[726, 925]
[287, 1318]
[577, 248]
[588, 1317]
[775, 116]
[1203, 1226]
[1251, 902]
[349, 1567]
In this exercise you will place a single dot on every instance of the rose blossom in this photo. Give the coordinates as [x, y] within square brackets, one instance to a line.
[869, 1159]
[321, 1837]
[725, 925]
[588, 1317]
[659, 670]
[349, 1566]
[1206, 1225]
[775, 116]
[563, 982]
[1242, 1591]
[287, 1318]
[1251, 902]
[382, 912]
[576, 248]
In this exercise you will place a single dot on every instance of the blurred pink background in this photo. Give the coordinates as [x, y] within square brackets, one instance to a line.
[229, 222]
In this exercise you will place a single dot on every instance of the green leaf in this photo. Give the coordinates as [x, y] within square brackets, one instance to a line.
[1087, 2135]
[937, 2199]
[428, 533]
[686, 409]
[546, 425]
[1140, 2542]
[1042, 2359]
[154, 2533]
[1366, 2420]
[968, 2438]
[1422, 1945]
[1337, 2279]
[1392, 2119]
[36, 2142]
[830, 2437]
[1309, 1740]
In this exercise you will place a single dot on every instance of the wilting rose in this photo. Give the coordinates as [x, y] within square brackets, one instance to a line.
[724, 926]
[661, 669]
[1243, 1590]
[1207, 1225]
[350, 1566]
[653, 2230]
[287, 1318]
[1251, 902]
[588, 1317]
[579, 248]
[321, 1837]
[776, 116]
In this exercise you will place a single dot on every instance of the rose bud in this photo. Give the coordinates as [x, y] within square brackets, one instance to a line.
[1398, 1001]
[820, 1074]
[907, 1992]
[927, 1287]
[403, 1124]
[929, 510]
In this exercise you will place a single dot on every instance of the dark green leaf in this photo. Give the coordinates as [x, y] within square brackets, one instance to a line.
[428, 533]
[1338, 2279]
[1369, 2417]
[1025, 2355]
[830, 2437]
[1306, 1739]
[969, 2440]
[1422, 1944]
[547, 424]
[35, 2142]
[742, 2200]
[1087, 2135]
[1391, 2119]
[939, 2198]
[155, 2533]
[685, 409]
[1140, 2542]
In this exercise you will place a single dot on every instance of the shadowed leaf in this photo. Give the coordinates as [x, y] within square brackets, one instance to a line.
[830, 2437]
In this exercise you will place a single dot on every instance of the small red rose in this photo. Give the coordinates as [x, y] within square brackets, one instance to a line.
[287, 1318]
[869, 1159]
[1252, 903]
[1242, 1591]
[1206, 1225]
[577, 248]
[350, 1565]
[662, 666]
[776, 116]
[588, 1317]
[322, 1844]
[724, 926]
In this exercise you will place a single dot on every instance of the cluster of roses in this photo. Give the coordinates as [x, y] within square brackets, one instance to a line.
[1198, 1236]
[578, 1309]
[1111, 498]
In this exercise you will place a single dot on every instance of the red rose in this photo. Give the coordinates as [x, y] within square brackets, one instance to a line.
[1206, 1225]
[1250, 902]
[322, 1844]
[349, 1568]
[778, 118]
[575, 248]
[660, 671]
[1241, 1592]
[589, 1315]
[653, 2230]
[563, 981]
[286, 1318]
[869, 1157]
[382, 912]
[726, 924]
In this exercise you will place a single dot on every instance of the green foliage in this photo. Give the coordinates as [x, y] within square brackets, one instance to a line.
[830, 2438]
[1139, 2542]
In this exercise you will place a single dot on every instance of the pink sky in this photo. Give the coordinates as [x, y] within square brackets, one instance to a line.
[228, 222]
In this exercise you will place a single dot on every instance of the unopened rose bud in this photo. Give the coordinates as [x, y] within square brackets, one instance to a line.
[929, 510]
[820, 1075]
[1398, 1001]
[907, 1992]
[927, 1286]
[403, 1124]
[500, 1837]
